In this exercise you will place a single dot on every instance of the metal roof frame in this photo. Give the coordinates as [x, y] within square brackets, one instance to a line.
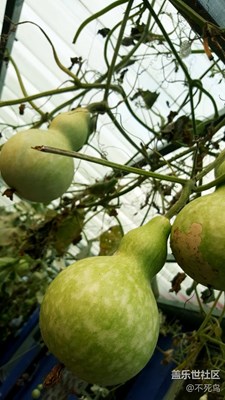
[8, 34]
[205, 10]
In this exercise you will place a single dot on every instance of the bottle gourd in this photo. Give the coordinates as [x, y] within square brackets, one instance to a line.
[43, 177]
[198, 237]
[99, 316]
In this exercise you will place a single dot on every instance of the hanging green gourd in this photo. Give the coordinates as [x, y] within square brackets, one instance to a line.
[198, 237]
[39, 177]
[99, 316]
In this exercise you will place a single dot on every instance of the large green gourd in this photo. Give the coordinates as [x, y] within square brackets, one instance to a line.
[198, 237]
[99, 316]
[42, 177]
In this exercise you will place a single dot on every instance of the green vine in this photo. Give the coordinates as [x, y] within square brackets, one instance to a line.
[110, 164]
[116, 50]
[96, 16]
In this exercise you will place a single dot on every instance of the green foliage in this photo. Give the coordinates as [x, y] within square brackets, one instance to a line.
[11, 231]
[55, 231]
[23, 282]
[31, 240]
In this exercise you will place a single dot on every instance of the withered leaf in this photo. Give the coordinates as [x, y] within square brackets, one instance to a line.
[128, 41]
[110, 240]
[176, 282]
[57, 230]
[167, 356]
[104, 32]
[208, 296]
[9, 193]
[171, 116]
[67, 230]
[179, 130]
[148, 97]
[22, 108]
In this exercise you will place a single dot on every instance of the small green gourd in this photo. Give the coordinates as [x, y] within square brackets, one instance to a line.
[198, 237]
[76, 126]
[42, 177]
[99, 316]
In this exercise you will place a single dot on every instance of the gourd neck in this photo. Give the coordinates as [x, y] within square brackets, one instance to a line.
[148, 245]
[75, 126]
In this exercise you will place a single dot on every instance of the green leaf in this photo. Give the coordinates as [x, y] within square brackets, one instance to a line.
[7, 261]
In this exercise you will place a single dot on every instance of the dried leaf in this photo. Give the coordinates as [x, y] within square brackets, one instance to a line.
[171, 116]
[122, 75]
[110, 240]
[11, 232]
[181, 129]
[167, 356]
[128, 41]
[54, 376]
[102, 188]
[138, 30]
[9, 193]
[148, 97]
[22, 108]
[208, 296]
[57, 231]
[104, 32]
[191, 289]
[67, 231]
[176, 282]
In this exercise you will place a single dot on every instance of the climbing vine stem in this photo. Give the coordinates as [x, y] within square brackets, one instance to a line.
[183, 199]
[116, 50]
[110, 164]
[22, 87]
[97, 15]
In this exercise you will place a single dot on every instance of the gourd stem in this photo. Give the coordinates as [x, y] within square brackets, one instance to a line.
[209, 314]
[209, 185]
[181, 202]
[110, 164]
[212, 165]
[212, 340]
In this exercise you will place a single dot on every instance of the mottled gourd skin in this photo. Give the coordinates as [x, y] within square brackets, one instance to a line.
[99, 316]
[109, 325]
[198, 239]
[33, 175]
